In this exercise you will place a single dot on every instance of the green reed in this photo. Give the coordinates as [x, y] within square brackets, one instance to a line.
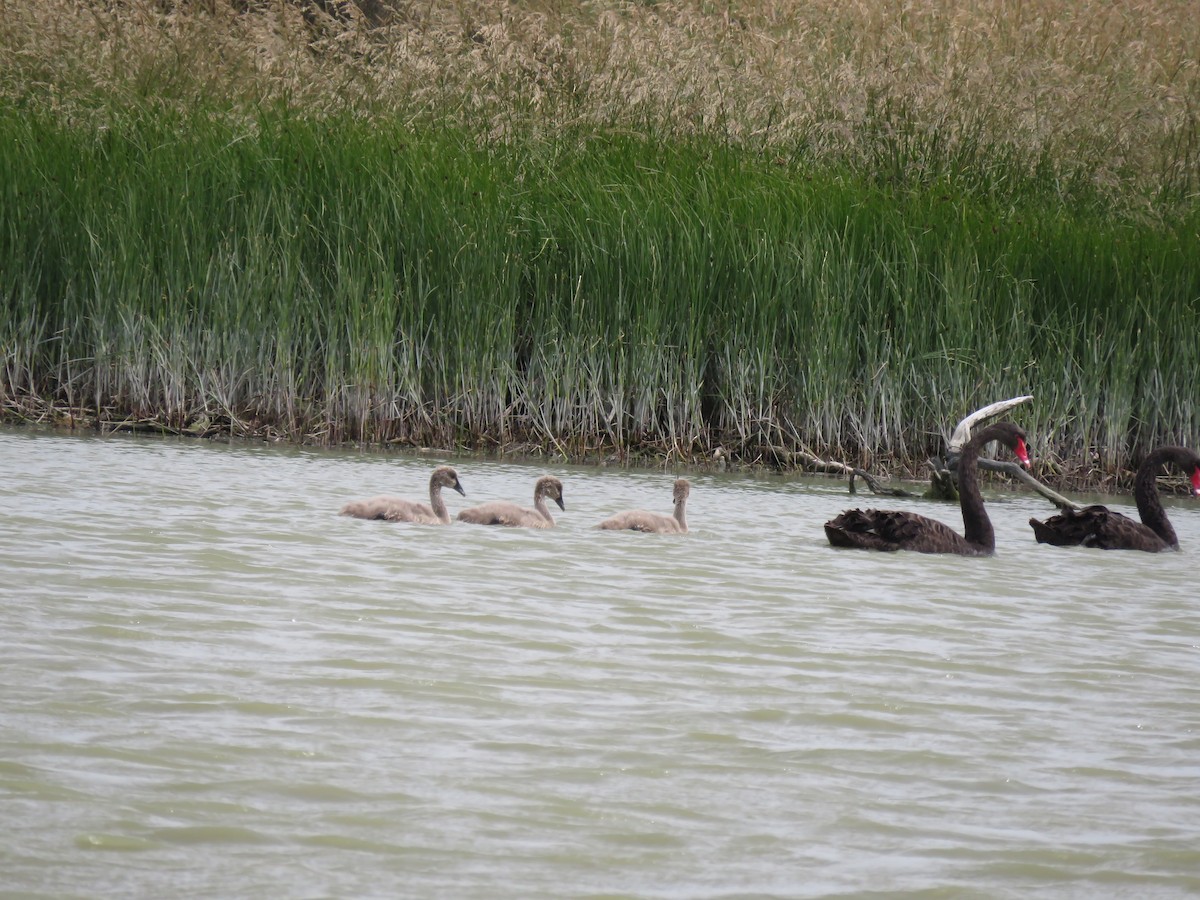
[586, 292]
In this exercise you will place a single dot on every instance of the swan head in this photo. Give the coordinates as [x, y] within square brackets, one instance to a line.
[1009, 434]
[549, 486]
[445, 476]
[1196, 480]
[1022, 452]
[682, 488]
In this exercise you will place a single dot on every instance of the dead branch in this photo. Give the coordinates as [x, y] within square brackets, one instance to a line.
[875, 486]
[942, 472]
[962, 431]
[1018, 472]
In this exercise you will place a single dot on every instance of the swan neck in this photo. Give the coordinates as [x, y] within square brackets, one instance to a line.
[977, 527]
[1145, 493]
[681, 514]
[438, 504]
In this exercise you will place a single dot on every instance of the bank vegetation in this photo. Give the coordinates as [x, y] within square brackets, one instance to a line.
[606, 229]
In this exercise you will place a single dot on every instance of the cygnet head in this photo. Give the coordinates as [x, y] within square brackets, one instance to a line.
[549, 486]
[445, 476]
[683, 487]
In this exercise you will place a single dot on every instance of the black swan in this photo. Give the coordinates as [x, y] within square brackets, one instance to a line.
[1099, 526]
[874, 529]
[502, 513]
[397, 509]
[654, 523]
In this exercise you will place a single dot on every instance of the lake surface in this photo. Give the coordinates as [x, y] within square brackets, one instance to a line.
[214, 686]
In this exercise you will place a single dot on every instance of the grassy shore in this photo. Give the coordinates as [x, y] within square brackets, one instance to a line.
[606, 229]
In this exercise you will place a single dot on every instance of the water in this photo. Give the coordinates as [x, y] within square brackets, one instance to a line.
[213, 686]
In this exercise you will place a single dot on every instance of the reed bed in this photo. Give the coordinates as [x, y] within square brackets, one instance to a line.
[606, 229]
[1106, 91]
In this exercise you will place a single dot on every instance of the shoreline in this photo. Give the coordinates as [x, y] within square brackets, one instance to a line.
[34, 412]
[612, 233]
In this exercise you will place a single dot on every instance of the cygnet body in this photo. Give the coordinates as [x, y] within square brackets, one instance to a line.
[397, 509]
[654, 523]
[513, 516]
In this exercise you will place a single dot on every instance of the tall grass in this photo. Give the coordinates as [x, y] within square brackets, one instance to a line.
[343, 278]
[1102, 91]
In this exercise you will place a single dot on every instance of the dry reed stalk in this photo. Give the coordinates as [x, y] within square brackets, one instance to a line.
[1113, 87]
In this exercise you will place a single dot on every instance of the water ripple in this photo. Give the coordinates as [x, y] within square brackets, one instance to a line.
[215, 685]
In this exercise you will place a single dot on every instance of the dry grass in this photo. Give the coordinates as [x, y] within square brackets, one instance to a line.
[1110, 88]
